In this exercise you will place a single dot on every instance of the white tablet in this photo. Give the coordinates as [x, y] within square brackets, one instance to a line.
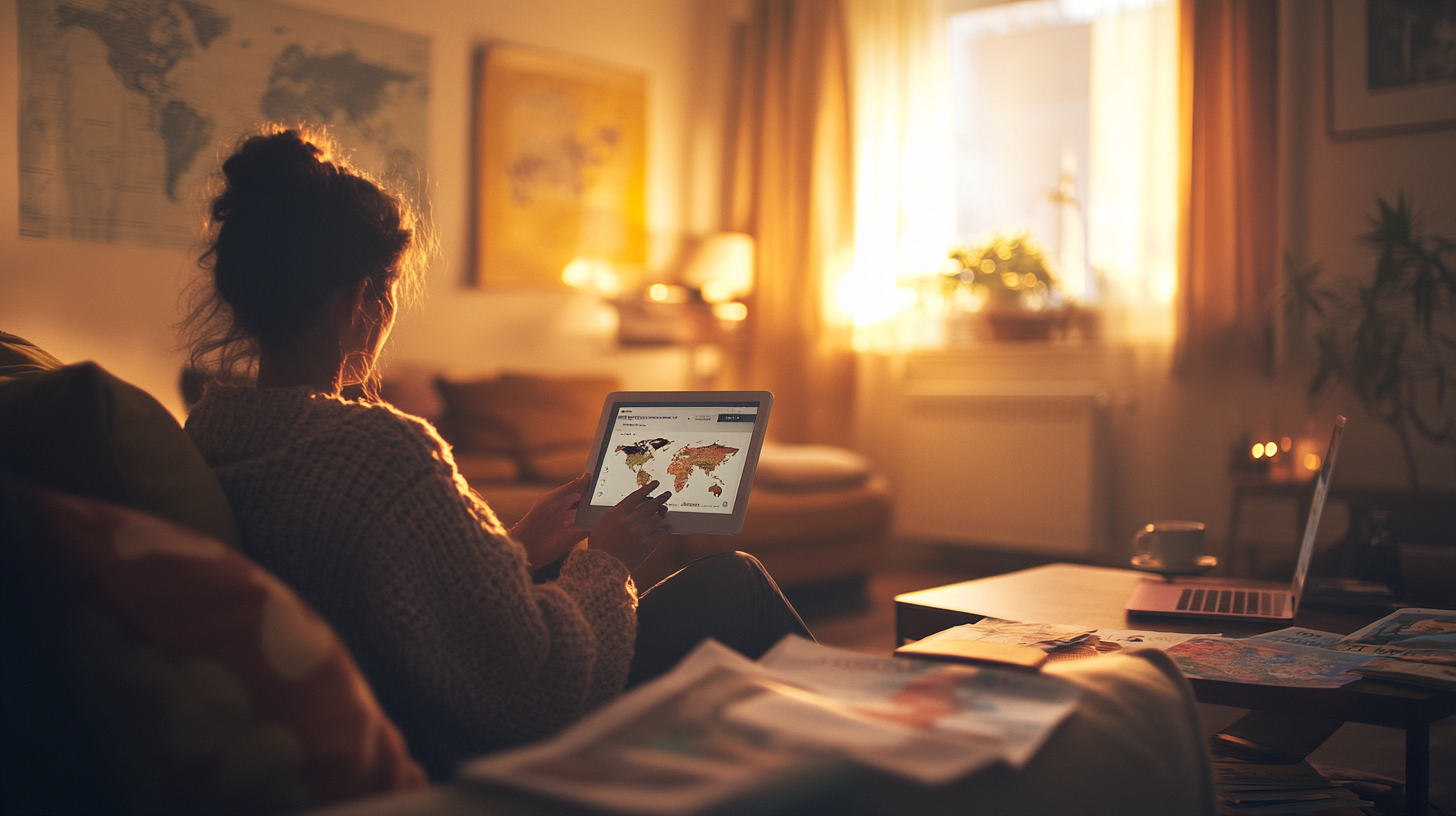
[701, 445]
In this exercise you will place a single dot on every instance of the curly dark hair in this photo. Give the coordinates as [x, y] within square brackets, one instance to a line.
[293, 223]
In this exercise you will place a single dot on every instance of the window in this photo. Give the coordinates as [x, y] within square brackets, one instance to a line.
[1066, 128]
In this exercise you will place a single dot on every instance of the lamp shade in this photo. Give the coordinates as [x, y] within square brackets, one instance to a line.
[722, 267]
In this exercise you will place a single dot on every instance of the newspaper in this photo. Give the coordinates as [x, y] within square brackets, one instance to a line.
[1044, 636]
[1016, 709]
[1423, 635]
[1141, 639]
[719, 727]
[1061, 639]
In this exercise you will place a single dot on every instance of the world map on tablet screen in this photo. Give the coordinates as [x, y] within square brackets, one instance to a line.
[692, 451]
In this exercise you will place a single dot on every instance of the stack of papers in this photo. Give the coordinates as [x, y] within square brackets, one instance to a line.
[1044, 636]
[1058, 641]
[1416, 646]
[1246, 787]
[720, 726]
[1409, 672]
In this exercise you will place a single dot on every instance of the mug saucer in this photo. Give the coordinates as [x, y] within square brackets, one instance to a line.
[1147, 563]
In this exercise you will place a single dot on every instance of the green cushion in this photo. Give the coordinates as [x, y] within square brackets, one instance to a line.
[20, 357]
[79, 430]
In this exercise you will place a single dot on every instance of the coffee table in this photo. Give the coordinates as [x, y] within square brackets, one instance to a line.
[1094, 597]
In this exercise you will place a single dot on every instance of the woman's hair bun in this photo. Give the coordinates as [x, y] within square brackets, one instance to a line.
[275, 170]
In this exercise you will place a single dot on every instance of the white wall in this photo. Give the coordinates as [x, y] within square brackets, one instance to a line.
[116, 304]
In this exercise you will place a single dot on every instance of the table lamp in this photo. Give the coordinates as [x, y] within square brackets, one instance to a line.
[721, 268]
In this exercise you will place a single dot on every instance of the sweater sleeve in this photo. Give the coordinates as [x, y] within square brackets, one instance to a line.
[463, 649]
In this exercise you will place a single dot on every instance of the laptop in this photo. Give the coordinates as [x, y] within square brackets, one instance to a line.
[1243, 600]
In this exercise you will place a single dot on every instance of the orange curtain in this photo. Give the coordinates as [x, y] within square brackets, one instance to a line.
[1229, 276]
[790, 186]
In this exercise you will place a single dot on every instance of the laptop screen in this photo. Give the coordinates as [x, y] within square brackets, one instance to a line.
[1316, 507]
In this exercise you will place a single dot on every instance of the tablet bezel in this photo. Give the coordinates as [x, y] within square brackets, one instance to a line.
[683, 523]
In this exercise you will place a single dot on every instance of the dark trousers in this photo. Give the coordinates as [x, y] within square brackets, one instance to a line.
[728, 597]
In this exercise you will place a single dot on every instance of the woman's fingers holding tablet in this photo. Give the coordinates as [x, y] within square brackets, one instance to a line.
[549, 530]
[634, 527]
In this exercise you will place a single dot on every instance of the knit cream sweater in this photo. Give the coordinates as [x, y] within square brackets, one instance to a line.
[361, 510]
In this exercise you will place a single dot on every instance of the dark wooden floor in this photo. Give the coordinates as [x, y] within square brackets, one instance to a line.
[839, 617]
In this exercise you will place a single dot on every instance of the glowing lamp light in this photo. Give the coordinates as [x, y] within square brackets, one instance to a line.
[1270, 449]
[668, 293]
[578, 273]
[592, 273]
[1307, 454]
[715, 291]
[721, 267]
[732, 312]
[1257, 451]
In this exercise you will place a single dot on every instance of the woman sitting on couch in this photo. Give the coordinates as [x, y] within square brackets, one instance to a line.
[360, 508]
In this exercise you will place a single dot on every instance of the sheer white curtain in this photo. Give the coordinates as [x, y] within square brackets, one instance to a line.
[904, 163]
[1132, 203]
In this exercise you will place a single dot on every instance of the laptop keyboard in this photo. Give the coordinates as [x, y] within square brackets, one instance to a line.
[1232, 602]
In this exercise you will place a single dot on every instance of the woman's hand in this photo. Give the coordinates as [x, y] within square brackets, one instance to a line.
[633, 529]
[549, 531]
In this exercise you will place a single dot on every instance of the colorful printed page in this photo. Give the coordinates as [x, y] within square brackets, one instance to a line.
[1263, 661]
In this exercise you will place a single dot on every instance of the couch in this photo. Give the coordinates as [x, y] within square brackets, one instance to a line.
[817, 514]
[148, 666]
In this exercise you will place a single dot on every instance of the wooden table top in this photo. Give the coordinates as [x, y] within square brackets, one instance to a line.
[1080, 595]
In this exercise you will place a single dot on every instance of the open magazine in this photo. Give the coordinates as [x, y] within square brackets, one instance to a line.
[1411, 645]
[720, 726]
[1423, 635]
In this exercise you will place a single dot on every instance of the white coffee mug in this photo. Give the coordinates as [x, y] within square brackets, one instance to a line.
[1171, 544]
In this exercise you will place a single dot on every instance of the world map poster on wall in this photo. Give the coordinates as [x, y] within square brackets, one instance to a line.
[127, 106]
[560, 162]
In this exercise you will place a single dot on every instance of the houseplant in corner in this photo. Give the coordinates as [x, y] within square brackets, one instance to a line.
[1390, 338]
[1006, 279]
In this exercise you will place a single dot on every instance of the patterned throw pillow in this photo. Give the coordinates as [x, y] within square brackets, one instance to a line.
[208, 685]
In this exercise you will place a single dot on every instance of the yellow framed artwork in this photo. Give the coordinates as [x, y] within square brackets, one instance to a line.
[560, 160]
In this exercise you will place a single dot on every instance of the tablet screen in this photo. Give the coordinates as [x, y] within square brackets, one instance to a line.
[696, 451]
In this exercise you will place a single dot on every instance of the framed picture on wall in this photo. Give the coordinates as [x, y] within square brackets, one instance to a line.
[1391, 68]
[560, 162]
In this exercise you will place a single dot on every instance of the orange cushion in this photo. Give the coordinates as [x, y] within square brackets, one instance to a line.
[211, 686]
[543, 422]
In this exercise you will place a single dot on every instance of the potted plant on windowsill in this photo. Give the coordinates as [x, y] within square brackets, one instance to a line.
[1007, 281]
[1391, 338]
